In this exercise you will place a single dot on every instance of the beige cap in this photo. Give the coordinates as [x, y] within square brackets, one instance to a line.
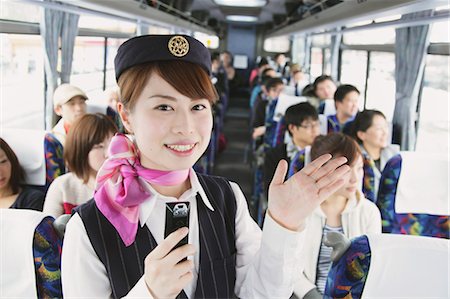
[65, 92]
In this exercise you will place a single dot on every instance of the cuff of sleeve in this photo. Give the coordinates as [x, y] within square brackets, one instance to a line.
[140, 290]
[279, 239]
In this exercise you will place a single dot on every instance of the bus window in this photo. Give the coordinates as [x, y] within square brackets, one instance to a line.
[370, 37]
[113, 45]
[316, 63]
[87, 68]
[381, 83]
[433, 131]
[22, 84]
[17, 11]
[210, 41]
[353, 71]
[279, 44]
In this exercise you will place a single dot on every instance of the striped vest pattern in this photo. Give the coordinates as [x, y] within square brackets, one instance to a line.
[125, 265]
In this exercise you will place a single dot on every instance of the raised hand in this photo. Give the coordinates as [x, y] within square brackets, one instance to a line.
[164, 275]
[292, 201]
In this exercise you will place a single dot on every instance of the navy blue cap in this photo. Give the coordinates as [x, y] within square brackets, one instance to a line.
[148, 48]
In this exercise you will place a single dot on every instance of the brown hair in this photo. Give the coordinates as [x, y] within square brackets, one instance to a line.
[187, 78]
[89, 130]
[17, 172]
[336, 144]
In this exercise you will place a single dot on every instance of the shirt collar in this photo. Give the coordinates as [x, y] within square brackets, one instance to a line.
[146, 208]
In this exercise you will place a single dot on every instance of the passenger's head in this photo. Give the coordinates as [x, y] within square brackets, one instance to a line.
[370, 128]
[215, 62]
[338, 145]
[302, 122]
[69, 102]
[112, 97]
[324, 87]
[268, 73]
[11, 172]
[263, 63]
[227, 58]
[280, 59]
[273, 87]
[87, 144]
[166, 99]
[346, 99]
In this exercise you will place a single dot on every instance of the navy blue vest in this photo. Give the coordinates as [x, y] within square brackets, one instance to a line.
[125, 265]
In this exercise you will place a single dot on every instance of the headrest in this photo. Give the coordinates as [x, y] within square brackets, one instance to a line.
[330, 108]
[96, 108]
[323, 124]
[28, 145]
[285, 101]
[405, 266]
[17, 272]
[423, 184]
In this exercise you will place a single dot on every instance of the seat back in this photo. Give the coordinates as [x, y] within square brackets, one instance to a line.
[391, 266]
[329, 107]
[280, 133]
[300, 160]
[413, 195]
[39, 153]
[30, 255]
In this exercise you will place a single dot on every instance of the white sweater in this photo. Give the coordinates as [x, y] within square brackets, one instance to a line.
[66, 191]
[360, 217]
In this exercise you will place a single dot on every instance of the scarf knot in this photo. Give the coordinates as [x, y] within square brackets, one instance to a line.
[119, 187]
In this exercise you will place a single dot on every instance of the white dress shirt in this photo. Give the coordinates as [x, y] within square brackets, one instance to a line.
[266, 261]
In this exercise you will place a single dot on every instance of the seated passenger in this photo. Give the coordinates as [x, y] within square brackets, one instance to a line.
[218, 72]
[324, 88]
[258, 88]
[370, 129]
[302, 123]
[282, 66]
[69, 102]
[112, 97]
[271, 91]
[297, 79]
[13, 193]
[345, 211]
[85, 152]
[256, 73]
[346, 99]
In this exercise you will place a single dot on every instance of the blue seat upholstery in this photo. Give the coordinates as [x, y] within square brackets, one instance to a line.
[413, 222]
[390, 266]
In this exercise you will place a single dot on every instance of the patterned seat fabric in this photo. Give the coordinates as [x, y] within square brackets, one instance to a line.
[54, 161]
[369, 178]
[348, 275]
[409, 223]
[297, 163]
[280, 131]
[47, 260]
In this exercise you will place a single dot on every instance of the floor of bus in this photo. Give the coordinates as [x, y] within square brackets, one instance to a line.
[233, 162]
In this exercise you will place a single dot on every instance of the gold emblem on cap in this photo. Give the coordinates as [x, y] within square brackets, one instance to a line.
[178, 46]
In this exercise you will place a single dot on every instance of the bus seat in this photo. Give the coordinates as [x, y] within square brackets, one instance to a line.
[413, 195]
[280, 133]
[323, 120]
[300, 160]
[329, 108]
[39, 153]
[106, 110]
[389, 266]
[30, 255]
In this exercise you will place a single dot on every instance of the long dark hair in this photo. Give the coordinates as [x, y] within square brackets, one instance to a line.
[17, 172]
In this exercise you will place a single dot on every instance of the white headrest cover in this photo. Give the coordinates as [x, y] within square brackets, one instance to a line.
[423, 184]
[405, 266]
[17, 273]
[285, 101]
[330, 108]
[28, 145]
[323, 124]
[96, 108]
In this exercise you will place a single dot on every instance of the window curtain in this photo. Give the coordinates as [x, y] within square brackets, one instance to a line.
[54, 25]
[411, 45]
[334, 51]
[307, 57]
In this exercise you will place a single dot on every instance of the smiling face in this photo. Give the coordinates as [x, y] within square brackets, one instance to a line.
[171, 130]
[376, 136]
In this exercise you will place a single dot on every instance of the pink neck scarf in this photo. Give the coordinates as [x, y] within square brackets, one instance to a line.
[118, 192]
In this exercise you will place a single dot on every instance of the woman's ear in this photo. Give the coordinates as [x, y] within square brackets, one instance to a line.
[125, 117]
[361, 135]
